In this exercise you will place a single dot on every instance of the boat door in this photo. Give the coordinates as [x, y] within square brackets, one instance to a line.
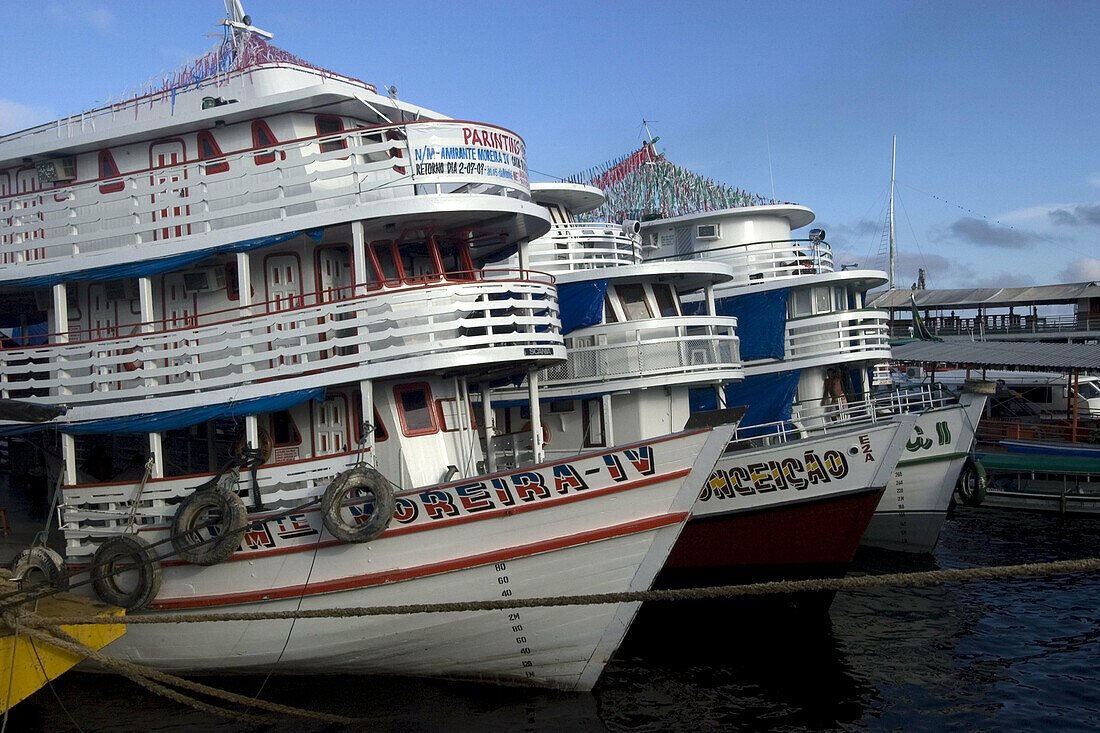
[330, 425]
[179, 313]
[334, 282]
[166, 158]
[283, 278]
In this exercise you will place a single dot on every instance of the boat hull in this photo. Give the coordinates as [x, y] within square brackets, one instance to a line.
[914, 506]
[803, 503]
[598, 523]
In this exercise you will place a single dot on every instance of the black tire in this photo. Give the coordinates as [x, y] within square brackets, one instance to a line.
[41, 565]
[971, 484]
[116, 557]
[215, 504]
[360, 482]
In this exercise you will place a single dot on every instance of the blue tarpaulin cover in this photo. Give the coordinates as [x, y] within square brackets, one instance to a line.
[581, 304]
[761, 322]
[768, 397]
[146, 268]
[173, 419]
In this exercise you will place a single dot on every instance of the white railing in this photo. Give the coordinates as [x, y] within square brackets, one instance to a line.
[156, 212]
[852, 334]
[813, 417]
[584, 246]
[90, 513]
[755, 262]
[412, 329]
[684, 346]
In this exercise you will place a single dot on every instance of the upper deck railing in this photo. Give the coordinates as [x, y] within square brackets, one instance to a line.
[623, 355]
[1003, 325]
[764, 261]
[850, 334]
[323, 338]
[201, 204]
[583, 246]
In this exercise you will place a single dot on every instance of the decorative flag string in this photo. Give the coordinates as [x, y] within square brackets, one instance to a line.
[644, 184]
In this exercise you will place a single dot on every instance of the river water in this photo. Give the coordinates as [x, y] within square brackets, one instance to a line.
[998, 655]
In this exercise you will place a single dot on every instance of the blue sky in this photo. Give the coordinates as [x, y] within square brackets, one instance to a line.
[994, 104]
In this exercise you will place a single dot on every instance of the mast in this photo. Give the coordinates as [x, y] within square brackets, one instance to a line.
[893, 164]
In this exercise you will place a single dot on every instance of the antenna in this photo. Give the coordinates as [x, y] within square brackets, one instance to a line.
[768, 142]
[238, 22]
[893, 167]
[648, 134]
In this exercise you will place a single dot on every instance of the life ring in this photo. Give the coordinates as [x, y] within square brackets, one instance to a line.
[113, 565]
[971, 484]
[355, 483]
[133, 365]
[43, 562]
[266, 446]
[216, 504]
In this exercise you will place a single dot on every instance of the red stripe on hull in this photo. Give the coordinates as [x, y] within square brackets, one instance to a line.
[826, 531]
[459, 563]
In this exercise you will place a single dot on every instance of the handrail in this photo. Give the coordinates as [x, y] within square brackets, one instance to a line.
[305, 300]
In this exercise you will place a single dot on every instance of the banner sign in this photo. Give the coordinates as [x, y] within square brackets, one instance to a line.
[450, 152]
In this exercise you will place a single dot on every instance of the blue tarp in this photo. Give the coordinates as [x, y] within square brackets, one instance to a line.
[146, 268]
[37, 335]
[581, 304]
[768, 396]
[173, 419]
[761, 322]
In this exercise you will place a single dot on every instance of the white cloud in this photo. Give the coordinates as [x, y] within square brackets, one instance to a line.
[1032, 213]
[1094, 179]
[1080, 270]
[15, 116]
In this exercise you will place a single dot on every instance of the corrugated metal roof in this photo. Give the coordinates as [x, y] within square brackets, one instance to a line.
[1003, 354]
[991, 297]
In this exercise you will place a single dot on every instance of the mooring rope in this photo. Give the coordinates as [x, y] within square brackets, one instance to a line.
[47, 629]
[50, 633]
[928, 577]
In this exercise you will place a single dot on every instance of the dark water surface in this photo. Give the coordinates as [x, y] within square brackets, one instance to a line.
[1004, 655]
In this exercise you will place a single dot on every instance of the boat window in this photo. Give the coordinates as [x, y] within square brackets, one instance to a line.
[823, 302]
[108, 169]
[389, 272]
[414, 408]
[798, 303]
[840, 301]
[634, 303]
[455, 259]
[283, 429]
[417, 263]
[447, 411]
[609, 311]
[262, 137]
[666, 300]
[592, 423]
[556, 215]
[208, 148]
[232, 282]
[327, 125]
[562, 406]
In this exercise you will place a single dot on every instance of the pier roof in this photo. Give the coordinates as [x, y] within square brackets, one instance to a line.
[1012, 355]
[989, 297]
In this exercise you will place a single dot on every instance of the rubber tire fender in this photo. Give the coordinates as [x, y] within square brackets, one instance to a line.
[46, 561]
[136, 550]
[343, 488]
[972, 482]
[230, 527]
